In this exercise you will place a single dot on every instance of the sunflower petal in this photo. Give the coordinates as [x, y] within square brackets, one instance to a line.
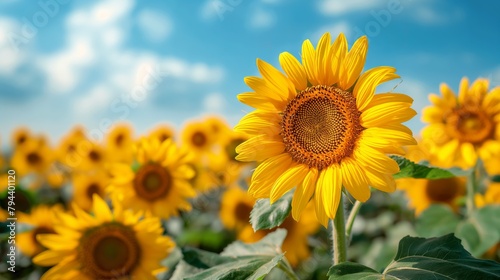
[303, 193]
[287, 181]
[353, 63]
[294, 70]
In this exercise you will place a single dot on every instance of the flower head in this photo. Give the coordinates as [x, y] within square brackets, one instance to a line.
[320, 126]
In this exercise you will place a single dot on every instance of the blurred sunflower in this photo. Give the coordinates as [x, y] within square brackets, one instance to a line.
[85, 185]
[20, 136]
[204, 179]
[119, 143]
[227, 169]
[162, 133]
[236, 206]
[158, 182]
[321, 127]
[32, 156]
[491, 196]
[198, 138]
[463, 128]
[41, 220]
[218, 126]
[422, 193]
[107, 245]
[71, 147]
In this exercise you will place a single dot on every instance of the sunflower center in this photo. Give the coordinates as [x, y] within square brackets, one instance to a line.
[33, 158]
[92, 189]
[163, 137]
[119, 140]
[443, 190]
[321, 126]
[94, 156]
[470, 125]
[109, 251]
[242, 212]
[21, 139]
[199, 139]
[152, 181]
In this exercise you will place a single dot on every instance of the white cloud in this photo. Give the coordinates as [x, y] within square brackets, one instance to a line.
[261, 19]
[11, 56]
[214, 103]
[94, 100]
[335, 29]
[156, 26]
[339, 7]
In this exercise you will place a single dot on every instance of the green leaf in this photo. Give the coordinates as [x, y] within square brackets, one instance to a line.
[437, 220]
[238, 260]
[265, 215]
[480, 231]
[421, 258]
[409, 169]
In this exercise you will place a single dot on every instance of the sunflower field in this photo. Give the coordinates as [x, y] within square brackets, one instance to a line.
[319, 179]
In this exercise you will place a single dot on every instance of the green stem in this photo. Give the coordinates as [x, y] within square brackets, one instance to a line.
[287, 270]
[351, 218]
[471, 189]
[339, 236]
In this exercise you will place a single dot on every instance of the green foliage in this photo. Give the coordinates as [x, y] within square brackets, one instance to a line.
[420, 258]
[265, 215]
[409, 169]
[437, 220]
[480, 231]
[238, 260]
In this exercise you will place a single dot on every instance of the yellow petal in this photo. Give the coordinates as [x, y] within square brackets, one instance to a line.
[319, 207]
[275, 80]
[339, 52]
[323, 58]
[259, 148]
[353, 63]
[387, 113]
[463, 91]
[287, 181]
[294, 70]
[303, 193]
[308, 60]
[265, 175]
[364, 89]
[382, 98]
[448, 95]
[355, 180]
[101, 209]
[376, 160]
[469, 154]
[330, 183]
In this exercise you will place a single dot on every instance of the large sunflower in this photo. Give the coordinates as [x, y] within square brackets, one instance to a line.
[463, 128]
[321, 127]
[108, 245]
[157, 182]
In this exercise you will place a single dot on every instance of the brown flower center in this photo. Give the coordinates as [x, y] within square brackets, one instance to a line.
[119, 139]
[469, 124]
[242, 212]
[109, 251]
[152, 181]
[92, 189]
[199, 139]
[321, 126]
[95, 156]
[33, 158]
[444, 190]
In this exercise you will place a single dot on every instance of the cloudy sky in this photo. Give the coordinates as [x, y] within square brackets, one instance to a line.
[66, 62]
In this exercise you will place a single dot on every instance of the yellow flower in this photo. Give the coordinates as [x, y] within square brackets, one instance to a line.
[86, 184]
[42, 219]
[236, 206]
[159, 181]
[72, 147]
[463, 128]
[218, 126]
[198, 138]
[33, 156]
[107, 245]
[20, 135]
[119, 143]
[422, 193]
[162, 133]
[204, 179]
[492, 196]
[321, 127]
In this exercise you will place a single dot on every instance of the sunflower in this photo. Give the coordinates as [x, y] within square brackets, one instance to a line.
[42, 219]
[204, 178]
[162, 133]
[85, 185]
[235, 211]
[119, 143]
[198, 138]
[321, 127]
[218, 126]
[158, 182]
[422, 193]
[463, 128]
[33, 156]
[20, 135]
[108, 245]
[491, 196]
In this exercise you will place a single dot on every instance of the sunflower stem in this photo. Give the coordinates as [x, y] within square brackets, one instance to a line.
[471, 190]
[339, 235]
[350, 220]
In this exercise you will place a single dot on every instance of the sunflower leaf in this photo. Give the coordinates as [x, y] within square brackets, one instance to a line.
[480, 231]
[420, 258]
[265, 215]
[409, 169]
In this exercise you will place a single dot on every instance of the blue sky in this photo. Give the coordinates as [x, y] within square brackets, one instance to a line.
[68, 62]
